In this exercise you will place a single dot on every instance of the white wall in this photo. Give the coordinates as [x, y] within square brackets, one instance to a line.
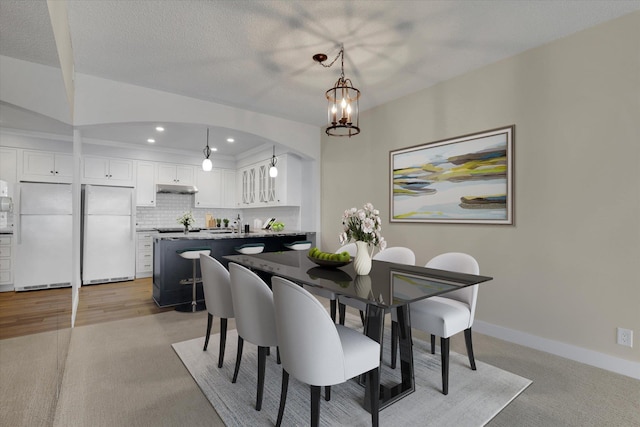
[566, 272]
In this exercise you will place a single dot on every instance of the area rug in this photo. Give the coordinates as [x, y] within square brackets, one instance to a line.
[474, 398]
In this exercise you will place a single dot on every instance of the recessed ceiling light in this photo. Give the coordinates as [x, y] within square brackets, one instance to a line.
[230, 140]
[151, 140]
[159, 128]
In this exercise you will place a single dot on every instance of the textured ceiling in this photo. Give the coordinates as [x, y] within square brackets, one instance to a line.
[256, 55]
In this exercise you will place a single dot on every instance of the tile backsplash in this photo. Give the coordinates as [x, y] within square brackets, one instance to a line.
[170, 206]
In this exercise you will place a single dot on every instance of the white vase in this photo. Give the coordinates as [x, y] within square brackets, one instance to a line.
[362, 261]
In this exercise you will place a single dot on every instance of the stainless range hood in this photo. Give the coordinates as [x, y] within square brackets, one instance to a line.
[176, 189]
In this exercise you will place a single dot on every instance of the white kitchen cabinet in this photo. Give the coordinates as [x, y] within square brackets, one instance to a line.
[6, 262]
[288, 188]
[209, 186]
[228, 188]
[107, 171]
[144, 253]
[9, 167]
[170, 173]
[145, 183]
[258, 189]
[248, 179]
[266, 185]
[45, 166]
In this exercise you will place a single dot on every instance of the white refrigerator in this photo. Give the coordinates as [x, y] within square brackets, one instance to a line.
[42, 230]
[108, 251]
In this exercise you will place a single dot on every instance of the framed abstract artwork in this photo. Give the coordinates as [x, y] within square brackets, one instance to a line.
[466, 179]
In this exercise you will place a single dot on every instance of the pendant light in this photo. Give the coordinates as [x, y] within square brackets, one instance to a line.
[207, 165]
[273, 170]
[343, 98]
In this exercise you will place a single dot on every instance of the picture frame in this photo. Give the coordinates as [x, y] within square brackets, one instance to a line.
[463, 180]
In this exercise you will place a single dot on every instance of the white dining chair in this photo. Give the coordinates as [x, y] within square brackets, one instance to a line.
[396, 254]
[316, 351]
[255, 319]
[450, 313]
[217, 297]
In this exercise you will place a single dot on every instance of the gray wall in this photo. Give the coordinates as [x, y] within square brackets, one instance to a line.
[567, 271]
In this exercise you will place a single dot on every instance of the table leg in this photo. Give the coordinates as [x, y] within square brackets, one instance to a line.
[194, 303]
[374, 328]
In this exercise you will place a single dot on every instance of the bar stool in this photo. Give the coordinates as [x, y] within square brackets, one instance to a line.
[250, 248]
[300, 245]
[194, 255]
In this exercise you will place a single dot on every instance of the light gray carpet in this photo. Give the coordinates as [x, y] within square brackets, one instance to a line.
[31, 369]
[474, 397]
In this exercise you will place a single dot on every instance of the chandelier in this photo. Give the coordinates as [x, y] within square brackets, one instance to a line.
[343, 99]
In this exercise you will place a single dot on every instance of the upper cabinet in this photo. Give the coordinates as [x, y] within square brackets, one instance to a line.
[209, 193]
[228, 188]
[257, 189]
[107, 171]
[216, 188]
[9, 167]
[247, 186]
[169, 173]
[145, 183]
[288, 188]
[44, 166]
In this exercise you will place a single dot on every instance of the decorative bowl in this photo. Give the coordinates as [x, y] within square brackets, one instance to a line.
[329, 263]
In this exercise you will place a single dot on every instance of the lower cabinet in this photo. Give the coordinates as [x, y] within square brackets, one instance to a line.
[144, 253]
[6, 263]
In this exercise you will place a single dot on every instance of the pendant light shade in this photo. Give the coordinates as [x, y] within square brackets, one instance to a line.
[343, 100]
[273, 170]
[207, 165]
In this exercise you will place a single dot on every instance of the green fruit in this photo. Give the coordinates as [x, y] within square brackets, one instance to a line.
[344, 257]
[334, 257]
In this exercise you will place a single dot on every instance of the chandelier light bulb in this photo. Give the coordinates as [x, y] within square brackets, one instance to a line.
[343, 104]
[207, 165]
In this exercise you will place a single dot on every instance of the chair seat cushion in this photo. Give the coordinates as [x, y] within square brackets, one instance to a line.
[193, 253]
[361, 353]
[300, 245]
[439, 316]
[250, 248]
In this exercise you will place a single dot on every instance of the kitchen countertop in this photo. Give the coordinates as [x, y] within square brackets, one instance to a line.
[206, 235]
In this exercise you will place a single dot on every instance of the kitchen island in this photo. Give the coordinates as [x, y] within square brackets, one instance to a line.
[172, 275]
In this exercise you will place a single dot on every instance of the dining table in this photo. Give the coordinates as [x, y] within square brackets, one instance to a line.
[387, 286]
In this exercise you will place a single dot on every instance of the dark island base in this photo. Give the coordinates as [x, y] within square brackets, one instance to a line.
[169, 269]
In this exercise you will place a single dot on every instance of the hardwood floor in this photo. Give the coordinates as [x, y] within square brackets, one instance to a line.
[24, 313]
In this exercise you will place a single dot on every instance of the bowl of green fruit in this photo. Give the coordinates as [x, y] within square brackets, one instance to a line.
[277, 226]
[327, 259]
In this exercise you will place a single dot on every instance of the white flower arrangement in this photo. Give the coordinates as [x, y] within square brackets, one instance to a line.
[186, 219]
[364, 225]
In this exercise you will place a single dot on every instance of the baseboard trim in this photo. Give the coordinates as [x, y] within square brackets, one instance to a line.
[568, 351]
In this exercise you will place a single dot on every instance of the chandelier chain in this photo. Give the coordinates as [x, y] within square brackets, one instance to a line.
[341, 56]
